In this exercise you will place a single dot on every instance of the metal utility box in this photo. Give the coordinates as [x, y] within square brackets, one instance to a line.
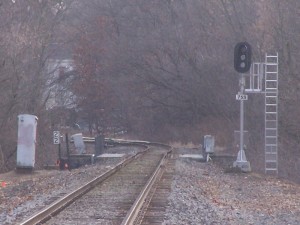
[209, 144]
[99, 144]
[27, 125]
[78, 142]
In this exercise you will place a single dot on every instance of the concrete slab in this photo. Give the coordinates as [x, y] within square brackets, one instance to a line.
[107, 155]
[191, 156]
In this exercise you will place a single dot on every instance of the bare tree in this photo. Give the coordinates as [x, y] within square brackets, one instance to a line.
[28, 29]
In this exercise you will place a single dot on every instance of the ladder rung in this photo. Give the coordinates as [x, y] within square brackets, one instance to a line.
[271, 112]
[271, 72]
[271, 169]
[271, 128]
[271, 64]
[271, 104]
[271, 80]
[271, 161]
[271, 153]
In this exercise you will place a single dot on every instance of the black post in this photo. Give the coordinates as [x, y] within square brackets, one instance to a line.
[59, 152]
[99, 144]
[68, 150]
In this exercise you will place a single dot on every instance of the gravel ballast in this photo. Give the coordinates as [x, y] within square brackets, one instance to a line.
[202, 193]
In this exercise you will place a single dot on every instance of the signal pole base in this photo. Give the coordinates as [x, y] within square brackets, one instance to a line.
[242, 162]
[243, 165]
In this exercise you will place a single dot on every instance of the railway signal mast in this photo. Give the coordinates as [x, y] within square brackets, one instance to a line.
[263, 78]
[242, 64]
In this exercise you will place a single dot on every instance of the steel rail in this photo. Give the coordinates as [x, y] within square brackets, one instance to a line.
[135, 208]
[62, 203]
[124, 142]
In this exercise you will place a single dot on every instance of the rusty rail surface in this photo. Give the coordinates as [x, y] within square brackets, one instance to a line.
[134, 210]
[60, 204]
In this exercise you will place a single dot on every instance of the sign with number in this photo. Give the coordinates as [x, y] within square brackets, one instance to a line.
[241, 97]
[56, 137]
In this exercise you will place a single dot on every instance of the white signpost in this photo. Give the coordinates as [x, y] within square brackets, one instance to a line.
[241, 160]
[56, 137]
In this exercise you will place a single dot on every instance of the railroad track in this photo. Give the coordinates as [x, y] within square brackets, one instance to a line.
[155, 203]
[132, 192]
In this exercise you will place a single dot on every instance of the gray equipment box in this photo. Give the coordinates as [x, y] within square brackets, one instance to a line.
[26, 141]
[208, 144]
[78, 142]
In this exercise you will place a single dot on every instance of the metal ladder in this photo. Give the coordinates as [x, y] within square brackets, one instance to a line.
[271, 114]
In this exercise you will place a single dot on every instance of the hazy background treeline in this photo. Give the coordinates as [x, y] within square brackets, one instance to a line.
[159, 70]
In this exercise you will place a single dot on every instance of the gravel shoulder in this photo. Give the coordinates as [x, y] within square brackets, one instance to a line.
[202, 193]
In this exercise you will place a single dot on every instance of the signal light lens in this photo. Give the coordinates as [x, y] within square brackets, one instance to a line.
[242, 57]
